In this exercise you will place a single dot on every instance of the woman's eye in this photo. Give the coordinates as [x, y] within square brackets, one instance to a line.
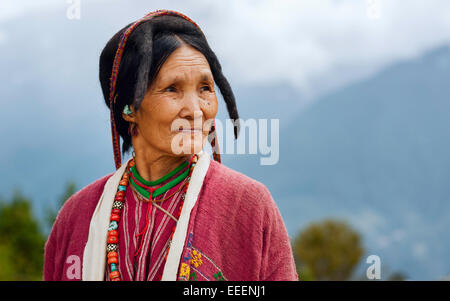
[171, 89]
[205, 88]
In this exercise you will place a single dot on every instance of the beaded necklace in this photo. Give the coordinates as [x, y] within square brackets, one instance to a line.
[112, 246]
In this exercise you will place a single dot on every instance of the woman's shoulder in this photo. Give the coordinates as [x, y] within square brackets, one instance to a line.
[233, 185]
[227, 176]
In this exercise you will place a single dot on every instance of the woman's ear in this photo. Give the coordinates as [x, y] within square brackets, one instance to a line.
[128, 113]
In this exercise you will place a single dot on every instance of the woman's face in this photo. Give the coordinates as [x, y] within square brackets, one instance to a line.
[176, 113]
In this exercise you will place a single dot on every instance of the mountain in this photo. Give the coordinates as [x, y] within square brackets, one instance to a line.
[377, 154]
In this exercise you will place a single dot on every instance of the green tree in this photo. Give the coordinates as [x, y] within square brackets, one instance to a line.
[327, 250]
[397, 276]
[21, 240]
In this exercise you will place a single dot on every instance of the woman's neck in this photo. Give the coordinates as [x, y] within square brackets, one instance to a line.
[153, 167]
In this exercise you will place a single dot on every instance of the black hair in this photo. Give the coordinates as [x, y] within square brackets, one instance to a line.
[146, 50]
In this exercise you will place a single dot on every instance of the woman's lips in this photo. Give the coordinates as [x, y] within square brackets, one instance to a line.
[193, 131]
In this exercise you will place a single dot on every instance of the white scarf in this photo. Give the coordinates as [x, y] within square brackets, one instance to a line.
[94, 256]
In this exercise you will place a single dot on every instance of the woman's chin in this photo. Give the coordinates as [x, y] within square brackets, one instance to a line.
[188, 146]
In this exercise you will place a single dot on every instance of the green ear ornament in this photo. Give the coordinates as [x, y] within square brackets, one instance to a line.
[126, 110]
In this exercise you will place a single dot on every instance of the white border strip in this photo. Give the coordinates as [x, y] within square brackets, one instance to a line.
[94, 256]
[179, 237]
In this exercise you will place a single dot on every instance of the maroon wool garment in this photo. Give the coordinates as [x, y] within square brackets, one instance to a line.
[235, 232]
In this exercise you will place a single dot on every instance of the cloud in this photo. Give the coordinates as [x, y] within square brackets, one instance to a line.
[373, 224]
[387, 239]
[313, 45]
[369, 221]
[11, 9]
[3, 37]
[419, 249]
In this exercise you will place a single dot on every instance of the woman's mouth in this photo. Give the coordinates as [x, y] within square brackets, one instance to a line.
[189, 131]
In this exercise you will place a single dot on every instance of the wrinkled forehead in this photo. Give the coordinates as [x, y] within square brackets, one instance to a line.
[184, 63]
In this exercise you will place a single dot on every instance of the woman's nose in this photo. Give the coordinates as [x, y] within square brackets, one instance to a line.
[191, 107]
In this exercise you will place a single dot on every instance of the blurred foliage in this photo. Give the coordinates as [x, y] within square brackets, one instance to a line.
[327, 250]
[21, 241]
[22, 238]
[397, 276]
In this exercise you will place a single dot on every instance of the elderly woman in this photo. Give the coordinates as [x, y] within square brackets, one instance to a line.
[170, 212]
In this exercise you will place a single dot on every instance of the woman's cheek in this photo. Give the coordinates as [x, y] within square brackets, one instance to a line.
[210, 104]
[212, 109]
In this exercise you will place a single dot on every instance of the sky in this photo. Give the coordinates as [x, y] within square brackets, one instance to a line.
[331, 43]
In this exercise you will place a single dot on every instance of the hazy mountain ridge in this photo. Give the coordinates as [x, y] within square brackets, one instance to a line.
[376, 153]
